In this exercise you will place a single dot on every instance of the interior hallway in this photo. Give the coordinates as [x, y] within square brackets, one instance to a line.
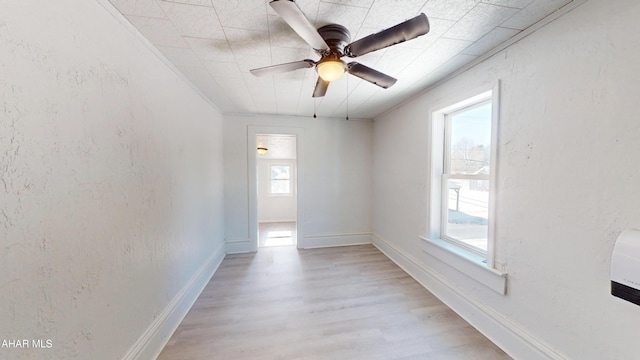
[332, 303]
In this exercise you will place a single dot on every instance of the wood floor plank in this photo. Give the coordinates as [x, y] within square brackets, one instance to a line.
[333, 303]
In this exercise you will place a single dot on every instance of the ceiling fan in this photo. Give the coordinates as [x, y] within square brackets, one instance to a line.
[331, 42]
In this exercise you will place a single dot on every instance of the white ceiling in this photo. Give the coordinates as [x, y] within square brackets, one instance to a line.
[216, 42]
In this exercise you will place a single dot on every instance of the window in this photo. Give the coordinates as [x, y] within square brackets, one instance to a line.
[463, 153]
[466, 176]
[280, 180]
[462, 188]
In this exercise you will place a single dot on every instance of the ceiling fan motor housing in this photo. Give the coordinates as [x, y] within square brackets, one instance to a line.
[336, 36]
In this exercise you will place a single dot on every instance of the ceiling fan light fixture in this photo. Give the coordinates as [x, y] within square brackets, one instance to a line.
[331, 70]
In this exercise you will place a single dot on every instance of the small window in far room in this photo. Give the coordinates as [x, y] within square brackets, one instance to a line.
[280, 180]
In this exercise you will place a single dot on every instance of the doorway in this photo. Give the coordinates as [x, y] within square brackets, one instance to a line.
[277, 189]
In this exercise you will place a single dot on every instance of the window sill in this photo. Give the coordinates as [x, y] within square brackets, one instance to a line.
[467, 263]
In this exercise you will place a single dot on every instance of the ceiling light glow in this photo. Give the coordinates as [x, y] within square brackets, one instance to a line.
[331, 70]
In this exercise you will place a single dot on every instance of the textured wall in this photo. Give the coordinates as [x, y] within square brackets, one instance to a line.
[568, 177]
[110, 181]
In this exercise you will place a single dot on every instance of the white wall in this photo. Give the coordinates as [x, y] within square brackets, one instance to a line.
[337, 168]
[111, 197]
[275, 208]
[568, 180]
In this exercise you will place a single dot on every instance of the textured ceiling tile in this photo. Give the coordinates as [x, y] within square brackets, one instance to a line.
[359, 103]
[158, 31]
[237, 90]
[350, 17]
[219, 69]
[234, 86]
[246, 63]
[263, 96]
[448, 9]
[286, 55]
[191, 2]
[248, 42]
[308, 7]
[479, 21]
[147, 8]
[217, 59]
[246, 14]
[385, 14]
[287, 97]
[308, 83]
[215, 94]
[396, 59]
[194, 21]
[332, 100]
[492, 39]
[441, 51]
[370, 59]
[197, 74]
[442, 71]
[361, 3]
[210, 49]
[281, 34]
[520, 4]
[533, 13]
[180, 56]
[357, 95]
[200, 77]
[281, 55]
[437, 28]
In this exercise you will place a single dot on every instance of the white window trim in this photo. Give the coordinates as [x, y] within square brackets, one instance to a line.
[474, 265]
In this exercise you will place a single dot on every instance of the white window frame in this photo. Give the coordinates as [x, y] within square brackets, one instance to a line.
[478, 266]
[291, 182]
[447, 175]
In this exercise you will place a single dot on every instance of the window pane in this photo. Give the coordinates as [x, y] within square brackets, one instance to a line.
[470, 140]
[280, 179]
[280, 172]
[280, 187]
[467, 206]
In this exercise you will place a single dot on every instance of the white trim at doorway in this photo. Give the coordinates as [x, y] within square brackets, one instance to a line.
[252, 132]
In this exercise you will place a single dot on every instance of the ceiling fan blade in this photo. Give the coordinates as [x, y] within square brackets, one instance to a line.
[281, 68]
[321, 87]
[404, 31]
[370, 75]
[292, 15]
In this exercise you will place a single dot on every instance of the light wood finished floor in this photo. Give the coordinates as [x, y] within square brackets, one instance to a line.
[277, 234]
[334, 303]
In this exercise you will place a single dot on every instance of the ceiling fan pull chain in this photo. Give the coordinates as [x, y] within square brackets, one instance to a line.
[347, 98]
[314, 108]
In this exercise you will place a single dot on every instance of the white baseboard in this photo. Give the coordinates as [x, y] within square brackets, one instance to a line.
[154, 339]
[238, 246]
[320, 241]
[514, 340]
[275, 221]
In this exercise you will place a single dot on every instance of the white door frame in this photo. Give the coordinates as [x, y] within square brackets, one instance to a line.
[252, 132]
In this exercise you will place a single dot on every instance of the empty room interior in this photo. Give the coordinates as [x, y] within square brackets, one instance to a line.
[319, 179]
